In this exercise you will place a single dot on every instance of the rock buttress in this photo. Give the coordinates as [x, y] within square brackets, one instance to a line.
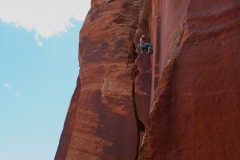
[104, 125]
[69, 124]
[192, 77]
[195, 86]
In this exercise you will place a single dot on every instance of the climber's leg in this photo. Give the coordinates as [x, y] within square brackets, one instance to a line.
[141, 47]
[148, 46]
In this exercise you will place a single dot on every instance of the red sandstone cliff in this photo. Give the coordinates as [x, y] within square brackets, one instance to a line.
[187, 93]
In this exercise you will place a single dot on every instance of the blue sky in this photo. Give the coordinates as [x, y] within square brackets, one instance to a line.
[38, 73]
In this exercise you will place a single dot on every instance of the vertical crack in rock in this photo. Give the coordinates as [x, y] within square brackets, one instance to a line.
[140, 126]
[139, 123]
[161, 110]
[140, 84]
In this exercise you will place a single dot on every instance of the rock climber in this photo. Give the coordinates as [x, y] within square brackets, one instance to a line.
[144, 46]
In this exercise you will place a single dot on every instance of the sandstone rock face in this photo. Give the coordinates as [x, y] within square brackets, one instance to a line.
[105, 122]
[196, 107]
[181, 102]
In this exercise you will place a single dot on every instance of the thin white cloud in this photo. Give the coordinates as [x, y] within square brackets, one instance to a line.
[37, 40]
[45, 17]
[8, 86]
[17, 93]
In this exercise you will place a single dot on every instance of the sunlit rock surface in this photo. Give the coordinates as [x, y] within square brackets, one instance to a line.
[181, 102]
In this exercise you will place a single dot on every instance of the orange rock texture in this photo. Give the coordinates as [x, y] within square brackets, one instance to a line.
[181, 102]
[102, 120]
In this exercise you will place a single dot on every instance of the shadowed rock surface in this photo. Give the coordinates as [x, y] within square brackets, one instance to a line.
[181, 102]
